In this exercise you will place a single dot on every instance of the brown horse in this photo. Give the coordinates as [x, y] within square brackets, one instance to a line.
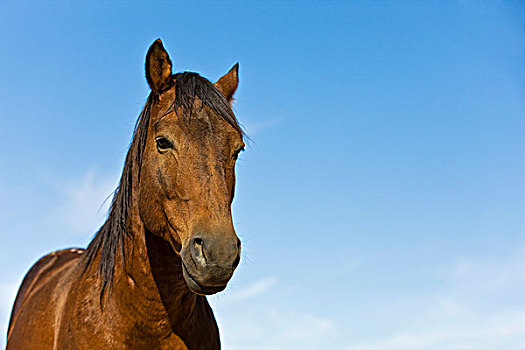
[168, 239]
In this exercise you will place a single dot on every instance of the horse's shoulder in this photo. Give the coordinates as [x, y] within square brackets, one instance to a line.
[40, 272]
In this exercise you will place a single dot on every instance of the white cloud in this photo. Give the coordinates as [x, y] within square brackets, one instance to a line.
[277, 329]
[480, 308]
[249, 320]
[491, 274]
[501, 331]
[85, 202]
[257, 127]
[254, 289]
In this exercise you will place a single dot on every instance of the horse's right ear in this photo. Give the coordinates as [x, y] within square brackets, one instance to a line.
[158, 66]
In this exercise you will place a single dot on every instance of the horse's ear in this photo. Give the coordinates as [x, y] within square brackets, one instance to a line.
[158, 66]
[228, 83]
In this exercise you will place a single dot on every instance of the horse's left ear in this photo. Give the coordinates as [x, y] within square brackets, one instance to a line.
[158, 66]
[228, 83]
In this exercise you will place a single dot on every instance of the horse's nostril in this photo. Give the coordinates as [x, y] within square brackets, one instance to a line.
[237, 260]
[198, 251]
[238, 243]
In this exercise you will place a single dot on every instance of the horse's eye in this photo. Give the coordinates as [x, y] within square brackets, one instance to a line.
[236, 153]
[163, 144]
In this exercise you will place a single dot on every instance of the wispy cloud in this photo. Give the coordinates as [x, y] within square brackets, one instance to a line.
[256, 288]
[84, 202]
[246, 323]
[278, 329]
[256, 127]
[500, 331]
[490, 274]
[480, 308]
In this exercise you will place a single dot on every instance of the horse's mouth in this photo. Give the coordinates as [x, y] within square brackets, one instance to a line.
[198, 288]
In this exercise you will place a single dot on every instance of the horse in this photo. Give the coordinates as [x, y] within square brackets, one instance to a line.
[167, 242]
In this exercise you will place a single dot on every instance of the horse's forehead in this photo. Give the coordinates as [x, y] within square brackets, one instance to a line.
[191, 112]
[170, 114]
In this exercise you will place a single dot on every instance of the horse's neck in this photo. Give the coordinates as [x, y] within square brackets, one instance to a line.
[151, 279]
[149, 290]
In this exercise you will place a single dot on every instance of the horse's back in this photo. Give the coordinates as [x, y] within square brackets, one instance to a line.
[37, 296]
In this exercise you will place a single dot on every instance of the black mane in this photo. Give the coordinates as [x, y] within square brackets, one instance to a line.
[110, 237]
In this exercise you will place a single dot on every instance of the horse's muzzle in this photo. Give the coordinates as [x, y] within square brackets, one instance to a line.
[208, 262]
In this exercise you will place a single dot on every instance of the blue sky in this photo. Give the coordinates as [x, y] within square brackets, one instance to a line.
[381, 201]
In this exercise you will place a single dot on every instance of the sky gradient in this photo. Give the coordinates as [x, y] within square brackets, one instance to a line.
[381, 201]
